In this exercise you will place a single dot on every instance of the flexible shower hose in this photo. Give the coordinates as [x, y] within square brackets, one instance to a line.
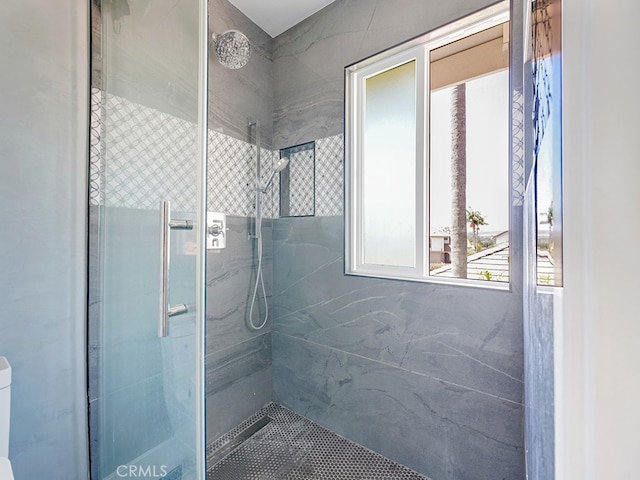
[259, 281]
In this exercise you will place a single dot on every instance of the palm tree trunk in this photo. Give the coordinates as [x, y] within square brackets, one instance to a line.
[475, 238]
[459, 182]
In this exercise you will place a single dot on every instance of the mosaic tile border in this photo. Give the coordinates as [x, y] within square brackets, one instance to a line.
[164, 144]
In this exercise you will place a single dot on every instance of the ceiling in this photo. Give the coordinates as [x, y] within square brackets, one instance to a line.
[276, 16]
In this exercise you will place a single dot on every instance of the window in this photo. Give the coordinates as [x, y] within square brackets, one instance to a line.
[427, 158]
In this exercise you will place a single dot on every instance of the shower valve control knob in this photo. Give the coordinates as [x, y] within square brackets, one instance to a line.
[216, 230]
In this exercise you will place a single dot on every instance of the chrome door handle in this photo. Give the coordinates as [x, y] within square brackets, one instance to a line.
[166, 225]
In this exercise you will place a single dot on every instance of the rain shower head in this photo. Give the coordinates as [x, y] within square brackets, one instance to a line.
[233, 49]
[281, 165]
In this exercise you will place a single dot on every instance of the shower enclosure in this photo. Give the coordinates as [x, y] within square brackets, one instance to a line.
[427, 375]
[146, 328]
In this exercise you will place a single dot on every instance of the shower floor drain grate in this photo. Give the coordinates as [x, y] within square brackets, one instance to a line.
[291, 447]
[221, 452]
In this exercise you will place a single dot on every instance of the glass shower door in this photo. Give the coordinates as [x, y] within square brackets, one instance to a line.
[146, 276]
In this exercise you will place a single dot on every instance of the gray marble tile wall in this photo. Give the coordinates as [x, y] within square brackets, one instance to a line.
[43, 185]
[147, 65]
[238, 359]
[239, 96]
[309, 59]
[428, 375]
[539, 386]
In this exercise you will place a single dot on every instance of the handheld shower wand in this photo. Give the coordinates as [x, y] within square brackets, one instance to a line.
[261, 190]
[281, 165]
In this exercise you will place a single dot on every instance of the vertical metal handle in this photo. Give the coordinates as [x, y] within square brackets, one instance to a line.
[166, 224]
[165, 250]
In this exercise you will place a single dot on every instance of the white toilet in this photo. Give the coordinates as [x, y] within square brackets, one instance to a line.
[5, 409]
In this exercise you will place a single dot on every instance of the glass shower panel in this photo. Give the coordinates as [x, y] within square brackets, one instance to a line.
[145, 394]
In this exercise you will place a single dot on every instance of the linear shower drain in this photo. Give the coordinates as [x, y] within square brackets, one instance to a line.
[225, 449]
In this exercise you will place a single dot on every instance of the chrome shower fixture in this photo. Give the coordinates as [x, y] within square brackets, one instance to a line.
[281, 165]
[232, 48]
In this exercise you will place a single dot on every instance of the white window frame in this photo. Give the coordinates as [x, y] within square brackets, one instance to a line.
[418, 50]
[358, 85]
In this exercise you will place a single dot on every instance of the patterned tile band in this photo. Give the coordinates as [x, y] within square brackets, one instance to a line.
[164, 144]
[140, 135]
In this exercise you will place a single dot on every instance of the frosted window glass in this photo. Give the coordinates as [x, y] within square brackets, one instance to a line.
[389, 168]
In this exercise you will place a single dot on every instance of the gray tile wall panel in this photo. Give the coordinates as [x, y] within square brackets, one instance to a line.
[441, 430]
[239, 96]
[404, 368]
[429, 375]
[238, 361]
[43, 213]
[309, 59]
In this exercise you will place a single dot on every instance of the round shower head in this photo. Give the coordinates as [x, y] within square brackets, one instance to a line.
[233, 49]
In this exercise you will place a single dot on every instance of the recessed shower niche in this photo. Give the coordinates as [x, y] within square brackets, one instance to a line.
[298, 181]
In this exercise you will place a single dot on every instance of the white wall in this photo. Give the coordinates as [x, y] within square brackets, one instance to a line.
[43, 185]
[598, 327]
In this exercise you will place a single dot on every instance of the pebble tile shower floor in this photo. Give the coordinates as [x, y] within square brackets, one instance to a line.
[292, 447]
